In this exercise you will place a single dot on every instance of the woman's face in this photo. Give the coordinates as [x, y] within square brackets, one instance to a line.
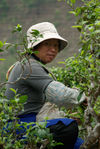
[48, 50]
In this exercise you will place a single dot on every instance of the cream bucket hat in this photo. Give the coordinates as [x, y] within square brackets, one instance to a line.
[48, 31]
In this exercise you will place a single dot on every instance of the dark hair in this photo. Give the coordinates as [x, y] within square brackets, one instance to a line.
[36, 47]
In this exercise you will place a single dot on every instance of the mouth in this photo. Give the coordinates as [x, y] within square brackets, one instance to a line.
[51, 55]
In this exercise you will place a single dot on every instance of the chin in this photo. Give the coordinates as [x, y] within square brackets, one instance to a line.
[49, 61]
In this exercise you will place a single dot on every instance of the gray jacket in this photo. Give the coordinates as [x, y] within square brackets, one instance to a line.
[34, 85]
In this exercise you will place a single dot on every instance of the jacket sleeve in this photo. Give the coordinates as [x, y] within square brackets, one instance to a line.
[62, 95]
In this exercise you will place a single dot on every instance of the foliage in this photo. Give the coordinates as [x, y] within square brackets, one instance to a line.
[83, 70]
[8, 111]
[12, 131]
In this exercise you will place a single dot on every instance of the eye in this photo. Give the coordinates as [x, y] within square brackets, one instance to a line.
[46, 43]
[56, 45]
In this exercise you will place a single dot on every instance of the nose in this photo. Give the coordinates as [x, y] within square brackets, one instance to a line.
[52, 48]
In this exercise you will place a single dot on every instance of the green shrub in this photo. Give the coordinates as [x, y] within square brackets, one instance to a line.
[83, 70]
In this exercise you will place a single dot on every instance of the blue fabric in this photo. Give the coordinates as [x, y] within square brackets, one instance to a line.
[28, 118]
[65, 121]
[78, 143]
[32, 118]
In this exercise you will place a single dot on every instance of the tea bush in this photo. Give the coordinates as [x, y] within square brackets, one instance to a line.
[83, 70]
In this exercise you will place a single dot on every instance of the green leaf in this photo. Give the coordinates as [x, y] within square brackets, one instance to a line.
[13, 90]
[77, 26]
[61, 62]
[1, 50]
[17, 99]
[35, 32]
[2, 59]
[42, 133]
[73, 1]
[97, 9]
[23, 98]
[96, 32]
[8, 45]
[79, 96]
[78, 11]
[97, 23]
[35, 52]
[19, 27]
[1, 44]
[72, 12]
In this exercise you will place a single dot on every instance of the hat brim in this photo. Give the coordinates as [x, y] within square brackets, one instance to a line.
[46, 36]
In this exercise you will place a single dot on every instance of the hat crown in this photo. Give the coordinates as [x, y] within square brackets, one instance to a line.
[43, 27]
[48, 31]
